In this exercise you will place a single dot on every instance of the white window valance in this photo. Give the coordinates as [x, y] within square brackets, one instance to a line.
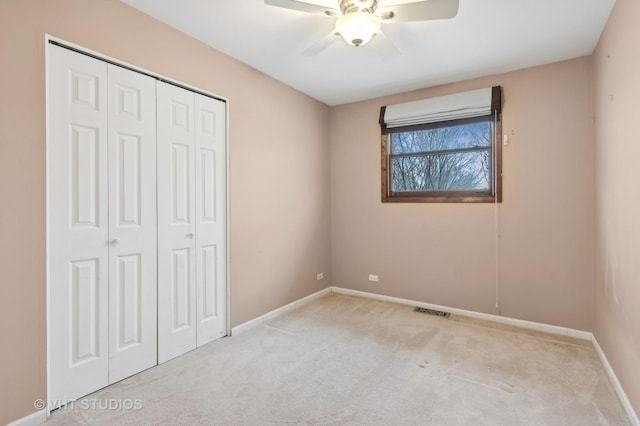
[475, 103]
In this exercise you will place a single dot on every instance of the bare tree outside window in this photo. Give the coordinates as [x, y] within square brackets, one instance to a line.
[442, 159]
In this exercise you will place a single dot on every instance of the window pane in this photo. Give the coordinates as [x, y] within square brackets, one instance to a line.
[445, 138]
[448, 172]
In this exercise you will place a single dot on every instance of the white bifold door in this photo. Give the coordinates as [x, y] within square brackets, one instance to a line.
[191, 220]
[137, 222]
[102, 224]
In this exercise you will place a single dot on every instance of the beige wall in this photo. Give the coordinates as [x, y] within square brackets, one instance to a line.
[445, 253]
[279, 171]
[280, 190]
[617, 110]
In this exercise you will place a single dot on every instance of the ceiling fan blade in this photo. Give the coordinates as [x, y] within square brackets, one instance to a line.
[384, 47]
[321, 44]
[300, 6]
[422, 11]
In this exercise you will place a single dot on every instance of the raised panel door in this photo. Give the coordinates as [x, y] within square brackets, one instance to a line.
[132, 223]
[176, 222]
[78, 225]
[210, 219]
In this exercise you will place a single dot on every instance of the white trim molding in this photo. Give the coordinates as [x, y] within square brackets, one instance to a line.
[624, 400]
[33, 419]
[553, 329]
[239, 329]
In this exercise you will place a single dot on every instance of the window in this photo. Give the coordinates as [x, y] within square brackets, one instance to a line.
[443, 149]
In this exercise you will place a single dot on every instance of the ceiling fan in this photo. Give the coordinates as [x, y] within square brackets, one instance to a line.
[359, 20]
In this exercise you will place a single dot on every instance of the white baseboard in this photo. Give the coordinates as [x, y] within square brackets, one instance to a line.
[553, 329]
[616, 383]
[33, 419]
[239, 329]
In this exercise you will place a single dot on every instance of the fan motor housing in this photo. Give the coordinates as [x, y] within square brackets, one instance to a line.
[351, 6]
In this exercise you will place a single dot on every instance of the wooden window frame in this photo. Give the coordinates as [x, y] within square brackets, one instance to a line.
[461, 196]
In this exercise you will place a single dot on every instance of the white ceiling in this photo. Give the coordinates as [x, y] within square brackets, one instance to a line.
[486, 37]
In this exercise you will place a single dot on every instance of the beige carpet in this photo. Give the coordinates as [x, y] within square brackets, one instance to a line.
[346, 360]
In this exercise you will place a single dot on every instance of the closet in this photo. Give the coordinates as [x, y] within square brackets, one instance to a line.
[136, 222]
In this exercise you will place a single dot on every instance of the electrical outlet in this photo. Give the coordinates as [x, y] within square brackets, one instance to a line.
[320, 276]
[373, 278]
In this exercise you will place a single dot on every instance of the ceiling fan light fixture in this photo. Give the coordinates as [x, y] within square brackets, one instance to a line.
[357, 28]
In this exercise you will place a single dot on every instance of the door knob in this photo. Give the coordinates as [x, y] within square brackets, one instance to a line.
[115, 241]
[191, 235]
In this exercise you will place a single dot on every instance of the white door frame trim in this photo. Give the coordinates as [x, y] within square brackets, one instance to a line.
[50, 38]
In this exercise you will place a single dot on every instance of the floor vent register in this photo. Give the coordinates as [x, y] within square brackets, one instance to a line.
[432, 312]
